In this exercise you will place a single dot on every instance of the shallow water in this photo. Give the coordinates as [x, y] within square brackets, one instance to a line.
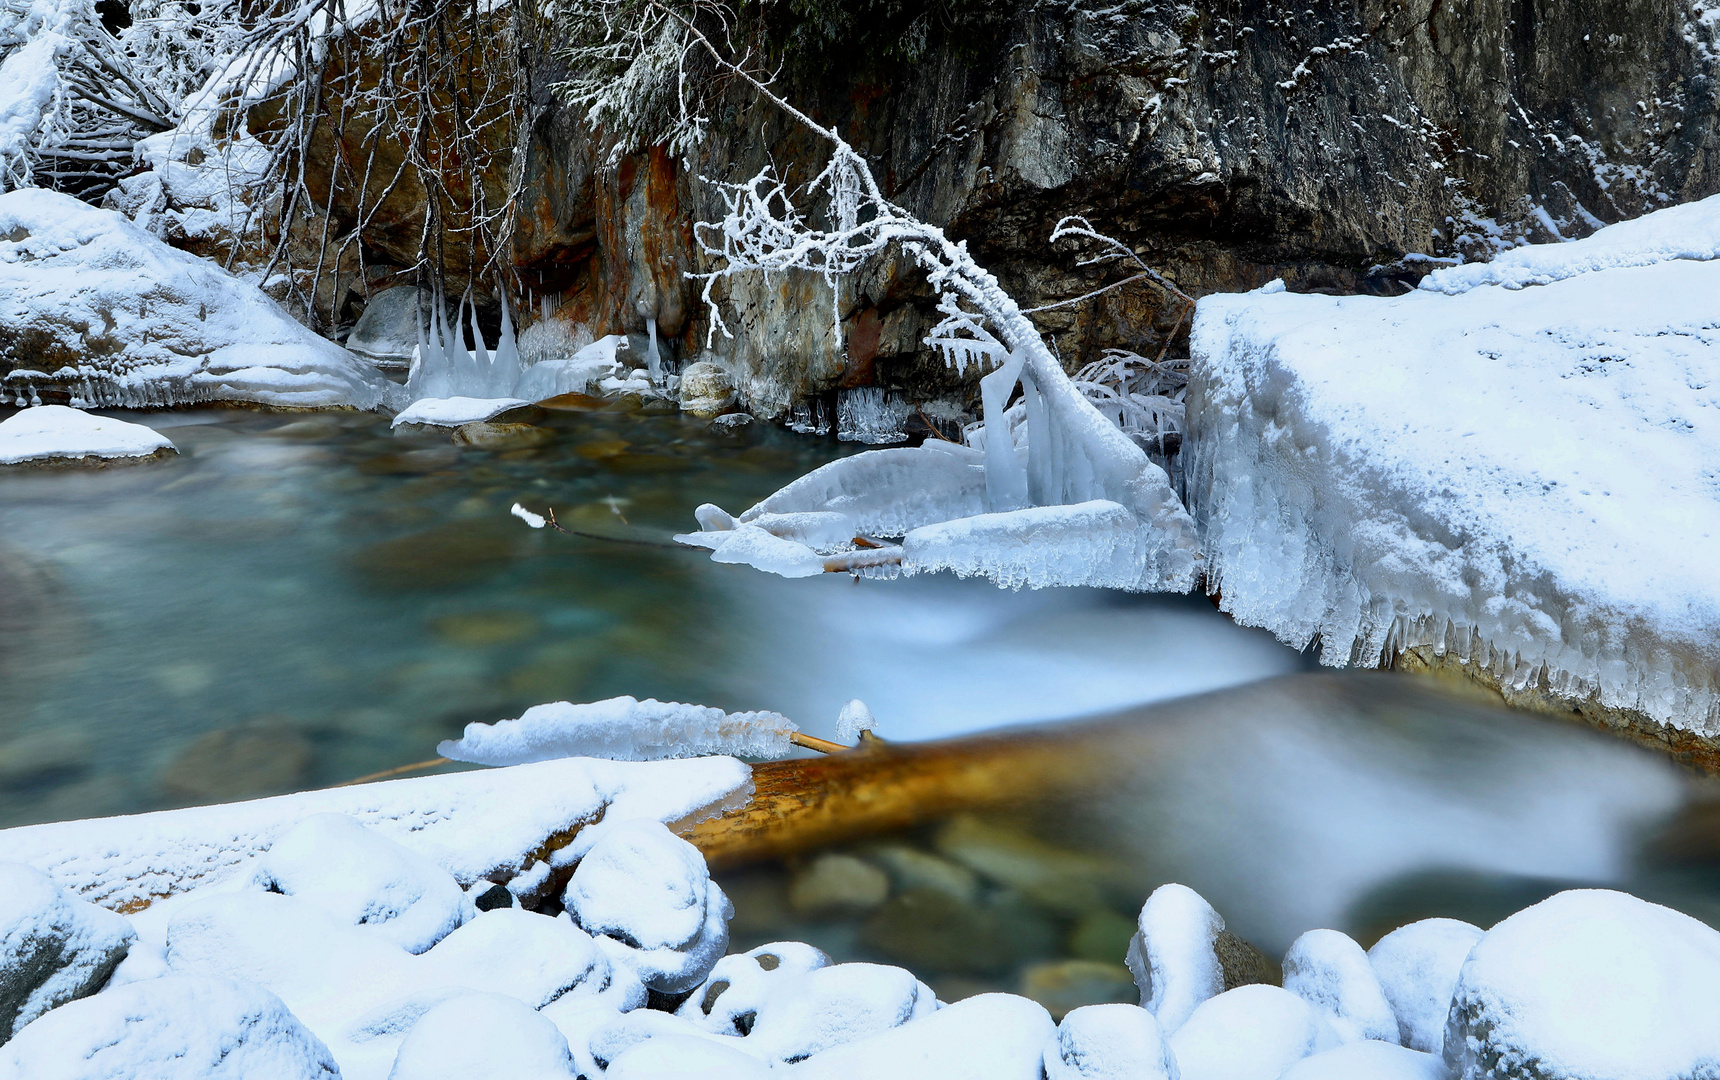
[301, 599]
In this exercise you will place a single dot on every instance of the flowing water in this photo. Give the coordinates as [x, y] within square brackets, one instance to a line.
[301, 599]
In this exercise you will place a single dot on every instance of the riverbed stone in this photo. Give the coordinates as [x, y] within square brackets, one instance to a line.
[930, 931]
[1064, 985]
[1061, 881]
[238, 763]
[54, 948]
[835, 884]
[494, 435]
[913, 868]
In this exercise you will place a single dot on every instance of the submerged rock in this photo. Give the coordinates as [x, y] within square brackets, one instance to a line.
[238, 763]
[1064, 985]
[835, 884]
[54, 948]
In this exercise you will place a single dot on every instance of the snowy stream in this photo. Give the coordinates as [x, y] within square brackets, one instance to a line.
[301, 599]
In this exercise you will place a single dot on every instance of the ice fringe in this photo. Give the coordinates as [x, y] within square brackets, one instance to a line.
[622, 729]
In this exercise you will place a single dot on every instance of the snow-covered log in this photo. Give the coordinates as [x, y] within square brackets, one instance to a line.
[1513, 467]
[97, 308]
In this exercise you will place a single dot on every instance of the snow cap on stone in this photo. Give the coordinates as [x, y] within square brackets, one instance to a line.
[361, 877]
[728, 1001]
[834, 1005]
[1369, 1060]
[1109, 1042]
[1589, 983]
[173, 1028]
[1254, 1032]
[483, 1035]
[648, 898]
[1172, 954]
[684, 1057]
[1331, 972]
[53, 947]
[1417, 967]
[985, 1037]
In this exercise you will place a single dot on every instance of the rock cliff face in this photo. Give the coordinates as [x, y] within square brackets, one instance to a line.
[1340, 145]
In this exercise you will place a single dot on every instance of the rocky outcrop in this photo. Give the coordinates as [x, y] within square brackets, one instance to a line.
[1336, 145]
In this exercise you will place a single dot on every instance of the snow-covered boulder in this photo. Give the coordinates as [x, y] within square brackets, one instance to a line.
[729, 1000]
[986, 1037]
[648, 898]
[1109, 1042]
[366, 879]
[1250, 1033]
[1173, 955]
[387, 330]
[1417, 967]
[453, 412]
[1369, 1060]
[96, 307]
[174, 1028]
[483, 1035]
[682, 1057]
[1512, 466]
[835, 1005]
[1331, 972]
[1586, 985]
[55, 434]
[54, 948]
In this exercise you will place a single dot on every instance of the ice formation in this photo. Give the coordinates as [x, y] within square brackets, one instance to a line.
[854, 719]
[1522, 478]
[869, 415]
[55, 431]
[621, 729]
[118, 318]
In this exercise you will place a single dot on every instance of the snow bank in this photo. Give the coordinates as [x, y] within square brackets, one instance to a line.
[54, 431]
[474, 825]
[1587, 984]
[1521, 478]
[622, 729]
[93, 304]
[175, 1028]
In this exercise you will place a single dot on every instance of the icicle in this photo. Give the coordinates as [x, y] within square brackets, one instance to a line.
[506, 366]
[1005, 479]
[653, 361]
[480, 384]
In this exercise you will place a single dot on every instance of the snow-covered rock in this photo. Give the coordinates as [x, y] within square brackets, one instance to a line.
[175, 1028]
[57, 433]
[363, 878]
[452, 412]
[387, 329]
[600, 1037]
[1109, 1042]
[54, 948]
[1250, 1033]
[729, 1000]
[1417, 967]
[834, 1005]
[1520, 477]
[683, 1057]
[1172, 954]
[648, 898]
[986, 1037]
[1585, 985]
[1369, 1060]
[486, 824]
[483, 1035]
[1331, 972]
[96, 306]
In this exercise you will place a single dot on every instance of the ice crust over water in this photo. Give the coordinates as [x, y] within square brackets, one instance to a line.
[621, 729]
[140, 324]
[1521, 477]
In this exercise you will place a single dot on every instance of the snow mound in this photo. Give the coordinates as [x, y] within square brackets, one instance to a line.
[476, 1035]
[454, 411]
[53, 948]
[1329, 971]
[834, 1005]
[985, 1037]
[174, 1028]
[365, 879]
[728, 1001]
[1691, 231]
[681, 1057]
[474, 825]
[1523, 479]
[1589, 984]
[1417, 966]
[648, 898]
[621, 728]
[1109, 1042]
[1250, 1033]
[93, 305]
[1369, 1061]
[54, 431]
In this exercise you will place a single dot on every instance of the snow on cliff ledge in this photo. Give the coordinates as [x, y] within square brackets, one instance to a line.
[1519, 463]
[92, 304]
